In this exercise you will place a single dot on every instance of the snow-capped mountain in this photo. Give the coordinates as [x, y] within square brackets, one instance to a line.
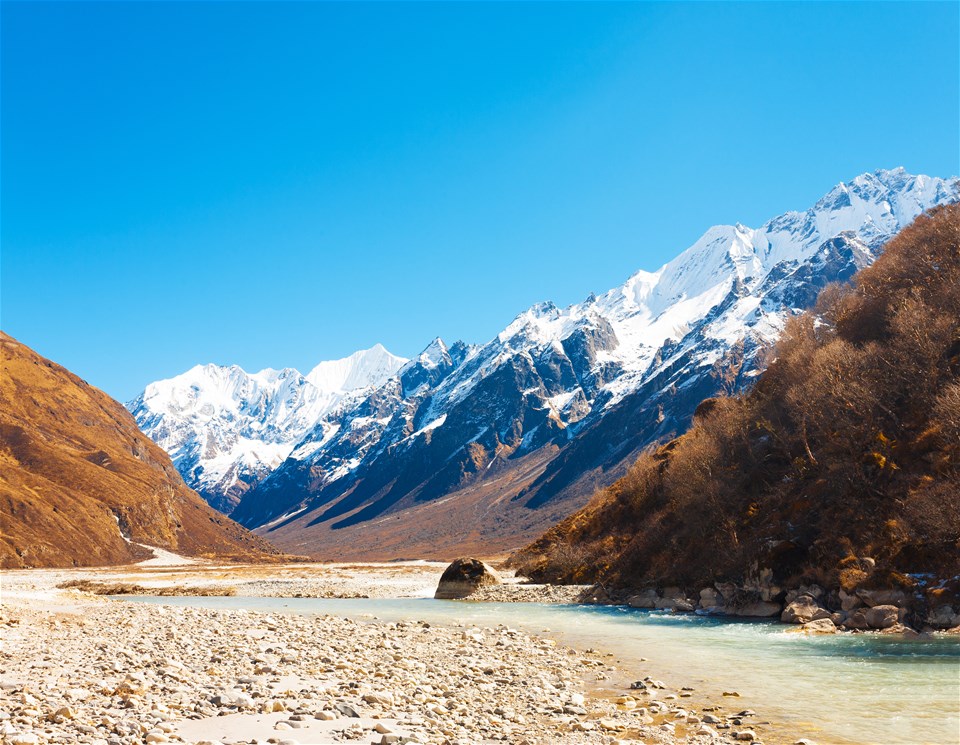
[492, 443]
[226, 429]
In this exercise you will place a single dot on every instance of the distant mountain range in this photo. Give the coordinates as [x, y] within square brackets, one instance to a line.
[482, 447]
[227, 429]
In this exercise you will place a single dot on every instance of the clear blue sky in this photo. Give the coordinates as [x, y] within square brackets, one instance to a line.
[276, 184]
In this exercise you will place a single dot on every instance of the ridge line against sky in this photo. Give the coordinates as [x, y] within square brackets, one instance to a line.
[273, 185]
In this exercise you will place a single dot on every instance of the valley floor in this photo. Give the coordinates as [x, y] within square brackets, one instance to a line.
[79, 668]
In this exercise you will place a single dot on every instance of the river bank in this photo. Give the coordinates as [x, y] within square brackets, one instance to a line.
[81, 668]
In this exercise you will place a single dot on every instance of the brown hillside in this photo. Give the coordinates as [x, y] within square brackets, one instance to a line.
[841, 467]
[73, 463]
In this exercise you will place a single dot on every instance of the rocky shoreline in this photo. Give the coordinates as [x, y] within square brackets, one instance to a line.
[810, 607]
[78, 668]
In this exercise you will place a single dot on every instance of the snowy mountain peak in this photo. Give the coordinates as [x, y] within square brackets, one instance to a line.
[226, 428]
[436, 353]
[361, 369]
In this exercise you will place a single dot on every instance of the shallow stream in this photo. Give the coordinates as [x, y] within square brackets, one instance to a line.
[845, 688]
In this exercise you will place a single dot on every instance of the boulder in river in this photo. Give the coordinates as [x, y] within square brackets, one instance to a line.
[803, 610]
[463, 577]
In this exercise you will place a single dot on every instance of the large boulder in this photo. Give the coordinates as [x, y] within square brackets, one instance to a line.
[882, 616]
[803, 610]
[883, 597]
[943, 617]
[857, 620]
[463, 577]
[646, 599]
[709, 598]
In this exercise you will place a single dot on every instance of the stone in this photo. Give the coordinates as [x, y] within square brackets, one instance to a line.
[849, 602]
[646, 599]
[22, 739]
[463, 577]
[943, 617]
[882, 616]
[746, 735]
[820, 626]
[347, 710]
[709, 598]
[803, 610]
[883, 597]
[380, 698]
[857, 620]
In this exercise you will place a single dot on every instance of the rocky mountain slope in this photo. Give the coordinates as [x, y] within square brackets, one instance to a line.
[839, 469]
[226, 429]
[485, 446]
[80, 485]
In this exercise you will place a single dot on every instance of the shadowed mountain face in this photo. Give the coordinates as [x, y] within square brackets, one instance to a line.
[478, 448]
[78, 478]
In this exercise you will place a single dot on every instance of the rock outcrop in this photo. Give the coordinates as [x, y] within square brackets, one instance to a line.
[463, 577]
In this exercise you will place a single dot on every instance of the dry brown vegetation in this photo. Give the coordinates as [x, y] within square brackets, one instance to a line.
[847, 447]
[128, 588]
[75, 469]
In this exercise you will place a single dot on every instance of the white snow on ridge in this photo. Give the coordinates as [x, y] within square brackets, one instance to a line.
[221, 424]
[652, 308]
[360, 370]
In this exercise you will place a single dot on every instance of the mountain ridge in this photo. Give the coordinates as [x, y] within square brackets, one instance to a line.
[595, 381]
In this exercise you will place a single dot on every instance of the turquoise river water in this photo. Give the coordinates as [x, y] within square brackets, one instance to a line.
[841, 689]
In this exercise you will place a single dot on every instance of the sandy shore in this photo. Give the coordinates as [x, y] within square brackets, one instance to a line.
[77, 668]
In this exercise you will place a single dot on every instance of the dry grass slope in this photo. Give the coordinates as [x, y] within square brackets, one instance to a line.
[73, 463]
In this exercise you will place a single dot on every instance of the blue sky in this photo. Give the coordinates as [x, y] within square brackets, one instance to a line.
[276, 184]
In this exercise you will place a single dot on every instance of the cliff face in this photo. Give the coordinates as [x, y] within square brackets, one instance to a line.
[840, 467]
[78, 478]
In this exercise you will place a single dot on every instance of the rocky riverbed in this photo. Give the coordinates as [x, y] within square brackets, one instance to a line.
[77, 668]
